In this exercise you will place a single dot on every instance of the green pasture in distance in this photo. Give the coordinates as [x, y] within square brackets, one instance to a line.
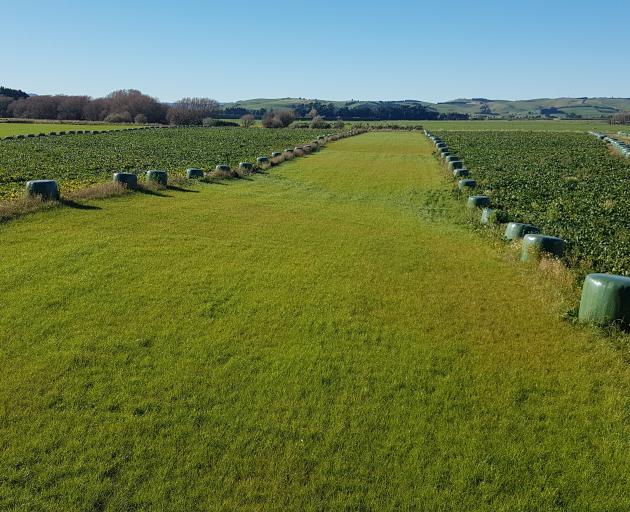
[521, 125]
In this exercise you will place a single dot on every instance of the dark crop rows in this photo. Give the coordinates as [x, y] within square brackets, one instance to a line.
[569, 184]
[80, 160]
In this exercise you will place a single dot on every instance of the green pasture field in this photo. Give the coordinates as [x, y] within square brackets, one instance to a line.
[519, 125]
[8, 129]
[329, 335]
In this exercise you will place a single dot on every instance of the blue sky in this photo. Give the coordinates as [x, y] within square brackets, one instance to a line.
[394, 49]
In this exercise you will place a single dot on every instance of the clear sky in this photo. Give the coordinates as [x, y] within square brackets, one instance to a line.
[389, 49]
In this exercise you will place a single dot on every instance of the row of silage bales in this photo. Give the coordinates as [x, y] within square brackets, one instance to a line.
[605, 297]
[50, 190]
[533, 241]
[73, 132]
[623, 148]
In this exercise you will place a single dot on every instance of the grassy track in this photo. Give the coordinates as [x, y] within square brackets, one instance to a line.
[324, 337]
[7, 129]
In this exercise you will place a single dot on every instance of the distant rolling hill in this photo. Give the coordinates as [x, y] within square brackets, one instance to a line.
[587, 108]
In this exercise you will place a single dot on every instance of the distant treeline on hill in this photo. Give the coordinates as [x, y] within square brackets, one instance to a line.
[132, 106]
[126, 106]
[381, 111]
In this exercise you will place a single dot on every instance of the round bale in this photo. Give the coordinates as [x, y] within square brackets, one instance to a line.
[517, 230]
[44, 189]
[478, 201]
[262, 160]
[605, 299]
[126, 179]
[246, 166]
[222, 168]
[461, 173]
[160, 177]
[193, 173]
[466, 184]
[534, 245]
[455, 164]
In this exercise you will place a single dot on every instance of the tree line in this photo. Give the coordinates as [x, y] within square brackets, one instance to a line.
[124, 106]
[132, 106]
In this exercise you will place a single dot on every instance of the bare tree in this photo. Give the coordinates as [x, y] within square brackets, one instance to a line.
[71, 107]
[620, 118]
[286, 117]
[5, 101]
[247, 121]
[319, 122]
[193, 110]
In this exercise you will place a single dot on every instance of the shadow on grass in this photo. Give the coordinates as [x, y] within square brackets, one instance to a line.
[151, 192]
[181, 189]
[78, 206]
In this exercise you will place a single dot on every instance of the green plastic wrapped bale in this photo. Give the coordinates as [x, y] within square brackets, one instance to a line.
[276, 154]
[126, 179]
[451, 157]
[461, 173]
[455, 164]
[440, 145]
[605, 299]
[262, 160]
[478, 202]
[534, 245]
[160, 177]
[45, 189]
[193, 173]
[466, 184]
[288, 150]
[492, 216]
[444, 154]
[517, 230]
[222, 168]
[247, 166]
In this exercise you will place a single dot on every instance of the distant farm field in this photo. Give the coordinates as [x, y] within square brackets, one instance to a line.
[7, 129]
[520, 125]
[79, 160]
[568, 184]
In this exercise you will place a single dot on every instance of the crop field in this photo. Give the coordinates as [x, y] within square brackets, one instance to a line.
[569, 184]
[79, 160]
[329, 335]
[8, 129]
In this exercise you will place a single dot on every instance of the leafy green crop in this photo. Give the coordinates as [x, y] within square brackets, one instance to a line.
[79, 160]
[568, 184]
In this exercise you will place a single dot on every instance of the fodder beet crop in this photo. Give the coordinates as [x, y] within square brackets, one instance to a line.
[76, 160]
[568, 184]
